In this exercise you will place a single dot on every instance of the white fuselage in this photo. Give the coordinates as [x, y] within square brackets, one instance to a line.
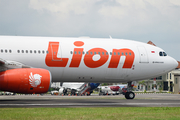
[98, 67]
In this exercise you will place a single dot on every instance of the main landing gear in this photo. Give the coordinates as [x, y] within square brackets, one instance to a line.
[129, 94]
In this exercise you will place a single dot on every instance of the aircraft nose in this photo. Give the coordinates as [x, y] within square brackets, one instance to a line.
[174, 63]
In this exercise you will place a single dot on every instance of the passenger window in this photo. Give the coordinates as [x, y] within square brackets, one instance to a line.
[22, 51]
[122, 53]
[126, 53]
[47, 52]
[160, 54]
[114, 53]
[34, 51]
[118, 53]
[106, 53]
[99, 53]
[71, 52]
[87, 53]
[26, 51]
[79, 52]
[94, 52]
[39, 51]
[30, 51]
[110, 53]
[75, 52]
[2, 50]
[10, 51]
[18, 51]
[102, 53]
[91, 53]
[129, 53]
[83, 52]
[5, 51]
[43, 51]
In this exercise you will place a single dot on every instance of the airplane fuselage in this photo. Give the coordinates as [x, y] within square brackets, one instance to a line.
[87, 59]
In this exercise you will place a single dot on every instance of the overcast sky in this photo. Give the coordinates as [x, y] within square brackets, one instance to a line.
[140, 20]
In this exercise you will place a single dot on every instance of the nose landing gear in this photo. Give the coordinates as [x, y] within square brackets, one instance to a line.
[129, 94]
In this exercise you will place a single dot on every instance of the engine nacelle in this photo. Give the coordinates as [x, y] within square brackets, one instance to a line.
[114, 88]
[25, 80]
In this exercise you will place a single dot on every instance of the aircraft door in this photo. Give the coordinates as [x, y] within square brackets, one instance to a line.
[55, 59]
[56, 52]
[143, 55]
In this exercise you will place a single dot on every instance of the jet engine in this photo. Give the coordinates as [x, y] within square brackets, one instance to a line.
[114, 88]
[25, 80]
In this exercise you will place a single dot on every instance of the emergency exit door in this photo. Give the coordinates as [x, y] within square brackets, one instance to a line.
[143, 55]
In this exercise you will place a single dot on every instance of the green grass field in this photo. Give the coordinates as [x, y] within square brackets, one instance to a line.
[105, 113]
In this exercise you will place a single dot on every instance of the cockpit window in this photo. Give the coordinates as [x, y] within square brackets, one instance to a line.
[162, 54]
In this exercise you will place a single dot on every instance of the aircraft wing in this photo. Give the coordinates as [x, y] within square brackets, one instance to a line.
[7, 64]
[2, 61]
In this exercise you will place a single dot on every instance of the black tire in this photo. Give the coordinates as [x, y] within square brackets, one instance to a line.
[126, 95]
[129, 95]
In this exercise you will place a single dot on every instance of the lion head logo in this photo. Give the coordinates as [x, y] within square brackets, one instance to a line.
[35, 79]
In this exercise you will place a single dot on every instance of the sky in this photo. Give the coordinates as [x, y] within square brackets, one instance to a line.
[140, 20]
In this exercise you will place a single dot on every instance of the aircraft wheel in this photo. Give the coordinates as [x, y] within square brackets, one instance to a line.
[129, 95]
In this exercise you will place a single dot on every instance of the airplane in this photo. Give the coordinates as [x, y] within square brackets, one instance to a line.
[77, 88]
[109, 90]
[112, 89]
[29, 64]
[70, 87]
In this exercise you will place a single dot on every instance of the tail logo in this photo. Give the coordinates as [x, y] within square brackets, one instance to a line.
[35, 79]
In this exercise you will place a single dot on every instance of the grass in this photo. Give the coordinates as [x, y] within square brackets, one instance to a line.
[105, 113]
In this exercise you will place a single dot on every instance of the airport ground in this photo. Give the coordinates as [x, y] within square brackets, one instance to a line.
[141, 100]
[144, 106]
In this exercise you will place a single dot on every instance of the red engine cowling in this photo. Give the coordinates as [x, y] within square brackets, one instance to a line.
[114, 88]
[25, 80]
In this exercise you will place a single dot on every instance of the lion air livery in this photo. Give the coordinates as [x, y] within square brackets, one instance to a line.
[29, 64]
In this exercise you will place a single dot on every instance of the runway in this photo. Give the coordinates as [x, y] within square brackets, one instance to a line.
[141, 100]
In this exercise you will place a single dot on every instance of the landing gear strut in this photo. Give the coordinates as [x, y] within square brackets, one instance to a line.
[129, 94]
